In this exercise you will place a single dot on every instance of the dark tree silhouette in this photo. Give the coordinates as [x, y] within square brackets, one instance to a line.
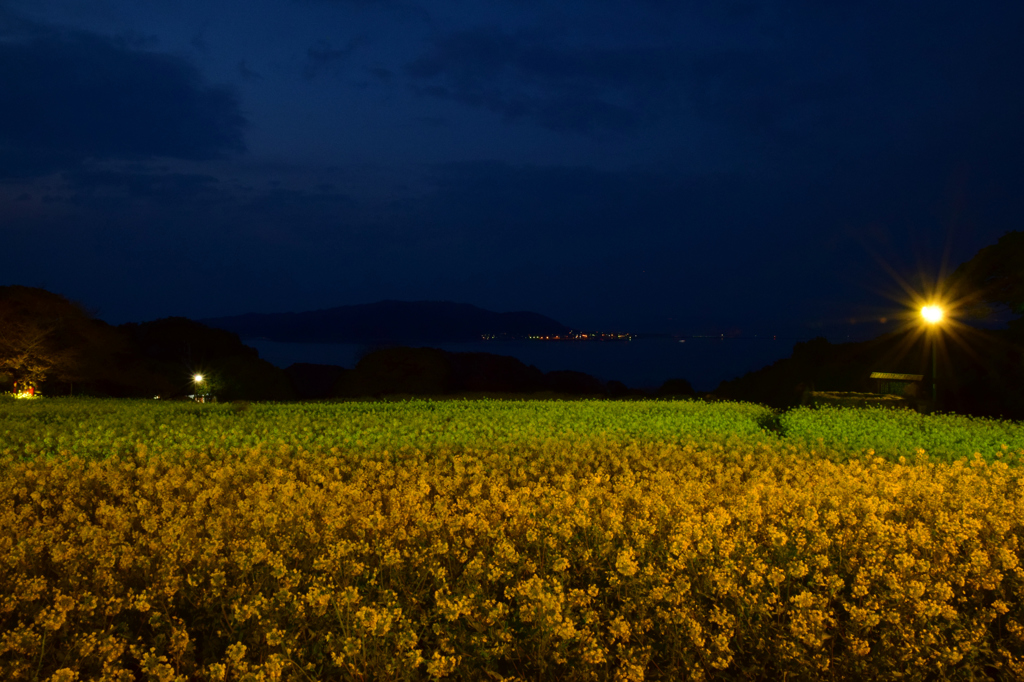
[177, 348]
[993, 277]
[40, 336]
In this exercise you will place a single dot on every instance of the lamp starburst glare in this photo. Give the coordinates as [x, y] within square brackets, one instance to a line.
[198, 378]
[932, 314]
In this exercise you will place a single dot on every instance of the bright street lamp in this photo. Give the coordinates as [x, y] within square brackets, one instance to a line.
[933, 315]
[198, 378]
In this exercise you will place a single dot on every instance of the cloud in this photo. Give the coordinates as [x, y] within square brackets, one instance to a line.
[246, 73]
[382, 74]
[325, 56]
[523, 76]
[114, 187]
[198, 42]
[70, 96]
[842, 78]
[531, 76]
[630, 244]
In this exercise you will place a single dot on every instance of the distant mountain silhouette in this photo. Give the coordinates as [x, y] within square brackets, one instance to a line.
[389, 322]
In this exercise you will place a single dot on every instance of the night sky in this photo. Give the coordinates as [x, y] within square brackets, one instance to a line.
[639, 165]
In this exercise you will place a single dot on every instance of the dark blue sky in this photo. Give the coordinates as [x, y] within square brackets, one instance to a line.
[615, 164]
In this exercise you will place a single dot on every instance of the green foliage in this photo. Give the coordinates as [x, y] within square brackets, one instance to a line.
[95, 429]
[894, 433]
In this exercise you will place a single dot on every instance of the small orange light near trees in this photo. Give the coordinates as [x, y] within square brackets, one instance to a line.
[932, 314]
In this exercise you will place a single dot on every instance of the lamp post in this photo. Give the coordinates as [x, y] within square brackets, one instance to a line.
[933, 315]
[198, 380]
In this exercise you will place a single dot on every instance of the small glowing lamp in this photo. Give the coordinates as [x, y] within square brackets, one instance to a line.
[198, 378]
[932, 314]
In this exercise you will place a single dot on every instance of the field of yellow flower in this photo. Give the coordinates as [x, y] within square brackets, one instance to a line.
[503, 540]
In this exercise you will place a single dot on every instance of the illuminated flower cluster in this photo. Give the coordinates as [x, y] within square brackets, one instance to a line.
[574, 557]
